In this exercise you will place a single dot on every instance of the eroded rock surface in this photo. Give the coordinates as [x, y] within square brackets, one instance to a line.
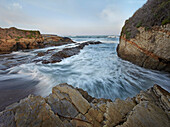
[14, 39]
[67, 106]
[145, 37]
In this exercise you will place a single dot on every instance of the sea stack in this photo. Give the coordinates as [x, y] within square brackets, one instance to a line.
[145, 37]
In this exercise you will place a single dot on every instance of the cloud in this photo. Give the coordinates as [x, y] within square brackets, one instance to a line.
[16, 6]
[67, 16]
[112, 14]
[12, 14]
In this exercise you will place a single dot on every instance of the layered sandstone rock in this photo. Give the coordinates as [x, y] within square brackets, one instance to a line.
[14, 39]
[145, 37]
[71, 107]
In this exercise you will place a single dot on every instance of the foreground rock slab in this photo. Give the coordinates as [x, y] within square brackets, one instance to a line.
[67, 106]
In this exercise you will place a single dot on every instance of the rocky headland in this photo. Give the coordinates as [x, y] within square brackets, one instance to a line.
[67, 106]
[145, 37]
[13, 39]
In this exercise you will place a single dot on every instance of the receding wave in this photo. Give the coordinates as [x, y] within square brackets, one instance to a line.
[96, 69]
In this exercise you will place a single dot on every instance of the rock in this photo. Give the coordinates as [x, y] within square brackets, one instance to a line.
[54, 40]
[61, 107]
[41, 54]
[74, 96]
[145, 36]
[14, 39]
[67, 107]
[67, 52]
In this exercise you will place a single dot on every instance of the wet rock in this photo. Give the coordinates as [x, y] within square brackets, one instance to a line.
[67, 52]
[68, 107]
[41, 54]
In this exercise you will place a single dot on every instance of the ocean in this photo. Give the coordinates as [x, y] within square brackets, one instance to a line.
[96, 69]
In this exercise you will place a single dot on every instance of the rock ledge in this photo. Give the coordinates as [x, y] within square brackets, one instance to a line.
[72, 107]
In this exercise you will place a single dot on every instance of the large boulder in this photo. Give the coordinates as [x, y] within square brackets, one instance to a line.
[67, 106]
[14, 39]
[145, 37]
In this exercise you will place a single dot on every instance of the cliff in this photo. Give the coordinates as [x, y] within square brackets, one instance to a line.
[73, 107]
[14, 39]
[145, 37]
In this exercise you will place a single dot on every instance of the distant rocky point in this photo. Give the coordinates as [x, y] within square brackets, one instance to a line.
[72, 107]
[145, 37]
[13, 39]
[54, 40]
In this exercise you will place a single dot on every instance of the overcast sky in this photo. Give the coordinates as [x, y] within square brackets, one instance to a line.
[68, 17]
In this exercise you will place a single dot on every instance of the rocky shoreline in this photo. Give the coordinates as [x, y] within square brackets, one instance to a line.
[13, 39]
[65, 53]
[72, 107]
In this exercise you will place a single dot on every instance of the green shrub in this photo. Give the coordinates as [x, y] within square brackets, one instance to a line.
[19, 37]
[147, 28]
[16, 39]
[128, 34]
[139, 24]
[166, 21]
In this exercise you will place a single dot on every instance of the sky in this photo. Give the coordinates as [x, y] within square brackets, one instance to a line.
[68, 17]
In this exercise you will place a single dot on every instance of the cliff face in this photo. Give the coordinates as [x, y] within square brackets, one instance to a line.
[145, 37]
[73, 107]
[14, 39]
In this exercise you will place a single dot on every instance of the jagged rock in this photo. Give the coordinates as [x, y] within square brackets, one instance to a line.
[67, 107]
[61, 107]
[74, 96]
[145, 37]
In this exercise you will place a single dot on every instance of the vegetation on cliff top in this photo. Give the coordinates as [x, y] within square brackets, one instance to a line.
[153, 13]
[14, 33]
